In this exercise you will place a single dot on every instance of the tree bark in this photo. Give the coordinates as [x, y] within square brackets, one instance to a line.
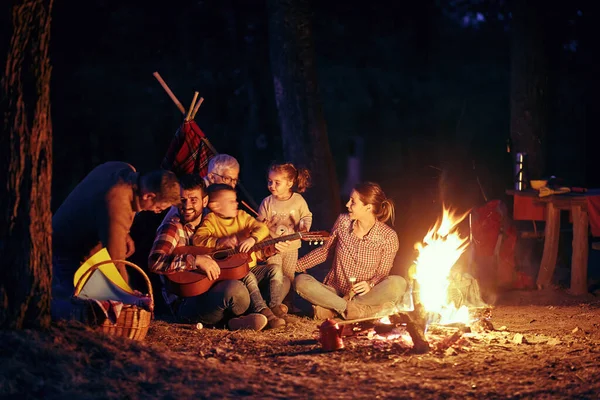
[26, 171]
[529, 89]
[301, 118]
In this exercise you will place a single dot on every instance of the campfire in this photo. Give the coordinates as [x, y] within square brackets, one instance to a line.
[443, 310]
[440, 250]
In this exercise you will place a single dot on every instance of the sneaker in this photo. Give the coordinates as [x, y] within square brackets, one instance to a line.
[253, 322]
[274, 321]
[280, 310]
[356, 310]
[320, 313]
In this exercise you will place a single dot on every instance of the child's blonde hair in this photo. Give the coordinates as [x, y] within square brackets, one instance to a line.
[300, 177]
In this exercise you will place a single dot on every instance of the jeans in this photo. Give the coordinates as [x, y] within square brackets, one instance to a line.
[287, 260]
[278, 286]
[225, 297]
[391, 289]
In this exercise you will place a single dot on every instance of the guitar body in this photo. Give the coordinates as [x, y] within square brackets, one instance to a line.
[193, 283]
[233, 264]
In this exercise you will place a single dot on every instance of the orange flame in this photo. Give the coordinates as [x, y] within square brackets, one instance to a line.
[441, 248]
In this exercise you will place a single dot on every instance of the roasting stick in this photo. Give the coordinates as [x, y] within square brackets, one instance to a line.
[249, 208]
[169, 92]
[189, 114]
[353, 321]
[197, 107]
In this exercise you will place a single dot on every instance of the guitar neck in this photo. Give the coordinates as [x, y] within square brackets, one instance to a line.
[269, 242]
[265, 243]
[198, 250]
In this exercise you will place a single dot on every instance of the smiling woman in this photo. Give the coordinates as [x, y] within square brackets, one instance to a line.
[364, 250]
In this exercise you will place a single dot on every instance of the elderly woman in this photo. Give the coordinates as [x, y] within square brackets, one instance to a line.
[358, 284]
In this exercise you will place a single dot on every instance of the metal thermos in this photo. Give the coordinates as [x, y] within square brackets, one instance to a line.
[521, 171]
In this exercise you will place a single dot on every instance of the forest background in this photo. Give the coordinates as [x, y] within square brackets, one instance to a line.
[419, 91]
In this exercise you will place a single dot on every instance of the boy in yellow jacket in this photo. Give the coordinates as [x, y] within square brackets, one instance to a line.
[227, 227]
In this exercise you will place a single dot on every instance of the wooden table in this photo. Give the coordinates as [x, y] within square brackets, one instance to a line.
[577, 204]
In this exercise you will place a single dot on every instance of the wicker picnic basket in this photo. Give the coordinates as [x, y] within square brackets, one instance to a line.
[133, 321]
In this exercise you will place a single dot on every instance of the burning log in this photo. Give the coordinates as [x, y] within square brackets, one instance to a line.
[416, 332]
[383, 329]
[483, 320]
[351, 327]
[416, 323]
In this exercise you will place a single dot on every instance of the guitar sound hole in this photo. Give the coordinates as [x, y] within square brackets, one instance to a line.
[220, 256]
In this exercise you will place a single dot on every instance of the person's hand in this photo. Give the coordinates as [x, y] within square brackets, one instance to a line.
[361, 288]
[129, 246]
[282, 247]
[247, 244]
[208, 266]
[269, 251]
[228, 242]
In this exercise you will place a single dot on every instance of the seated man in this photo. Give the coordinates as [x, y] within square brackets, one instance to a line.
[227, 227]
[98, 213]
[225, 297]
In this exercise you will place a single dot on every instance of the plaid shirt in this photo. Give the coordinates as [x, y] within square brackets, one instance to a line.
[368, 259]
[169, 235]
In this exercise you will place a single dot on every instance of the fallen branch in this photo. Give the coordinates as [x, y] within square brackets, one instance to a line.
[169, 92]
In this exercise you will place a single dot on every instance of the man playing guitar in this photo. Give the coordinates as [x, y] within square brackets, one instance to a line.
[224, 299]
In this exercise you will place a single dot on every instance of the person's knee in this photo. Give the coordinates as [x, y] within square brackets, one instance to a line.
[275, 271]
[397, 284]
[237, 295]
[249, 279]
[301, 281]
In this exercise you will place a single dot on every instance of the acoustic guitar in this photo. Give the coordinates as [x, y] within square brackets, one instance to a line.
[233, 263]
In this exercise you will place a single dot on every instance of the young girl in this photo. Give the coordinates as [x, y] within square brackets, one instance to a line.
[285, 211]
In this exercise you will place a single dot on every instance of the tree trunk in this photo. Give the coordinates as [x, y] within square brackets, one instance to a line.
[529, 89]
[26, 167]
[301, 119]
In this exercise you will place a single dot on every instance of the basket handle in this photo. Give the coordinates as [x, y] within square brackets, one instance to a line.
[94, 267]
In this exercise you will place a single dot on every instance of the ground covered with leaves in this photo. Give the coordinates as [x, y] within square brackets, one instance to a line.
[544, 344]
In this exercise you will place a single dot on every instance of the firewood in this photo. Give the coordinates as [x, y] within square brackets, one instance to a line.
[416, 332]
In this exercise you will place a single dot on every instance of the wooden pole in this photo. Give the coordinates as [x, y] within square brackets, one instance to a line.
[189, 114]
[209, 145]
[197, 107]
[249, 208]
[169, 92]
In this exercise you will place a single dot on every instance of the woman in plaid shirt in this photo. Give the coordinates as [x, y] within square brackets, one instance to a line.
[358, 284]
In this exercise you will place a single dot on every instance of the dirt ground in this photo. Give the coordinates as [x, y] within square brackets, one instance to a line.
[544, 345]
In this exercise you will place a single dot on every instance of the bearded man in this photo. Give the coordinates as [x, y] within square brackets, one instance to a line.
[227, 300]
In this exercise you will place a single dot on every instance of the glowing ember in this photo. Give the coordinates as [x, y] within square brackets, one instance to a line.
[441, 248]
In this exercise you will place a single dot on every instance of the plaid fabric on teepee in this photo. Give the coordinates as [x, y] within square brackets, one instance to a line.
[188, 152]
